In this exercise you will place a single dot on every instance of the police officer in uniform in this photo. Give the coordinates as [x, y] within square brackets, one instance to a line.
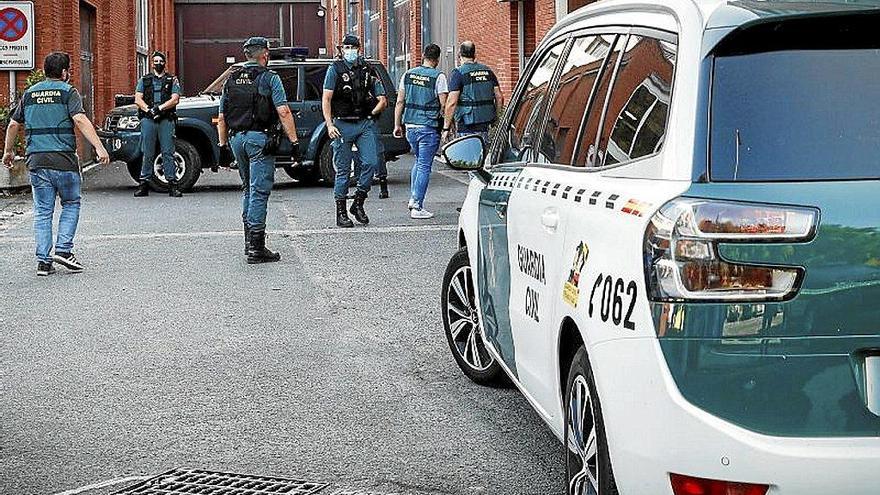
[156, 97]
[420, 102]
[474, 96]
[353, 99]
[49, 111]
[252, 104]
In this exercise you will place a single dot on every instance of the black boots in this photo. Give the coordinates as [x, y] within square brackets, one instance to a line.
[383, 188]
[357, 208]
[342, 219]
[143, 189]
[247, 240]
[174, 190]
[258, 252]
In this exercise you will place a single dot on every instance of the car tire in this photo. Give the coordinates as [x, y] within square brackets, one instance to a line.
[326, 170]
[305, 176]
[587, 462]
[189, 160]
[461, 324]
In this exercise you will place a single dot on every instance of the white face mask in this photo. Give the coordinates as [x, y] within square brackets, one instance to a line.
[350, 55]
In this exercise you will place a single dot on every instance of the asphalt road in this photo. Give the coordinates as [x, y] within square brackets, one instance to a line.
[170, 351]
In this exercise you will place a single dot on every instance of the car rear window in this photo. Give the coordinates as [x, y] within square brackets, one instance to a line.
[792, 112]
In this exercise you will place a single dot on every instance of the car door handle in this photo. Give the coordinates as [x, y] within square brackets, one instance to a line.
[550, 219]
[501, 210]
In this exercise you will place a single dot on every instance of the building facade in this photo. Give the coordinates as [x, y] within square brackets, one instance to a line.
[394, 31]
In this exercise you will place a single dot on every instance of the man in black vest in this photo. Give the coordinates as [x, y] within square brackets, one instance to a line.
[156, 97]
[353, 99]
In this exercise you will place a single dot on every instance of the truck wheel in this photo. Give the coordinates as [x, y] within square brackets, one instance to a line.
[189, 167]
[306, 176]
[134, 169]
[325, 169]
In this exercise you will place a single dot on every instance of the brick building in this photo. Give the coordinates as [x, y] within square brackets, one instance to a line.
[394, 31]
[108, 40]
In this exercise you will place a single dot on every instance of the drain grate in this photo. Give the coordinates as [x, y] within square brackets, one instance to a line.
[201, 482]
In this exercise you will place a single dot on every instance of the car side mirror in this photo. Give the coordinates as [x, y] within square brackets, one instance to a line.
[465, 153]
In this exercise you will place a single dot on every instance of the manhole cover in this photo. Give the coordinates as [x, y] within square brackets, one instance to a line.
[200, 482]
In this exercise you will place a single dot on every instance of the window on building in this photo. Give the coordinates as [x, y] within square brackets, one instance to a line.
[352, 15]
[371, 29]
[142, 36]
[572, 98]
[314, 82]
[587, 154]
[525, 123]
[398, 39]
[289, 79]
[639, 102]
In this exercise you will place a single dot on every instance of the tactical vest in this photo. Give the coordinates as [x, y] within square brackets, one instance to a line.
[476, 104]
[149, 91]
[353, 97]
[422, 106]
[248, 105]
[47, 120]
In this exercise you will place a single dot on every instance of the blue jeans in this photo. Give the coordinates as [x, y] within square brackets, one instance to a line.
[363, 133]
[424, 142]
[46, 184]
[162, 131]
[381, 169]
[257, 172]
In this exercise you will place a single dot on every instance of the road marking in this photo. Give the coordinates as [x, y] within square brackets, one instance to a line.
[456, 176]
[90, 167]
[102, 484]
[395, 229]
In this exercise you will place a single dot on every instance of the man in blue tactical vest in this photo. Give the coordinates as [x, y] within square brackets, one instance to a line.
[353, 99]
[420, 102]
[156, 96]
[474, 96]
[252, 105]
[49, 111]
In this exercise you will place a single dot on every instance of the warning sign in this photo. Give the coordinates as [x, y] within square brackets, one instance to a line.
[16, 36]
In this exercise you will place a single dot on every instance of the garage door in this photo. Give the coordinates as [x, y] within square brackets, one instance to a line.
[209, 34]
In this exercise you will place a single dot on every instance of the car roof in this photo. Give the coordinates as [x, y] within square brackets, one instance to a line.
[306, 61]
[716, 13]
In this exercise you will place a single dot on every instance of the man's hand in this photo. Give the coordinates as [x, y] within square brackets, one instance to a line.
[398, 131]
[9, 159]
[333, 131]
[155, 112]
[103, 156]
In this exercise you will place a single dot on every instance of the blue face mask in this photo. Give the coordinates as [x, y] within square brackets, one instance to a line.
[350, 56]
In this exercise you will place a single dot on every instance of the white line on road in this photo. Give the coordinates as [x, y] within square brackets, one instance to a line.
[90, 167]
[102, 484]
[396, 229]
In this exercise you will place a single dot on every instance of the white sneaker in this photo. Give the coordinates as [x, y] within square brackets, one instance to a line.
[420, 214]
[412, 204]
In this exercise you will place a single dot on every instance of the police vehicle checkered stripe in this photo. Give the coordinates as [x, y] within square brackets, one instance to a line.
[612, 201]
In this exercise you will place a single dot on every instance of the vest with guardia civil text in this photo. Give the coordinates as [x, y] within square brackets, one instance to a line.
[47, 121]
[422, 106]
[476, 104]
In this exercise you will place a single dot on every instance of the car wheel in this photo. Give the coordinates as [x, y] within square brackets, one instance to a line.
[587, 463]
[189, 167]
[461, 322]
[305, 176]
[326, 170]
[134, 170]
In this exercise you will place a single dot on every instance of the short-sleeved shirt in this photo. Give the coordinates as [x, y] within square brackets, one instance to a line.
[56, 160]
[440, 86]
[456, 83]
[157, 87]
[279, 97]
[330, 81]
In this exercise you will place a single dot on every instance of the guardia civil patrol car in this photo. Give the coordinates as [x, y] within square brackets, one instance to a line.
[671, 246]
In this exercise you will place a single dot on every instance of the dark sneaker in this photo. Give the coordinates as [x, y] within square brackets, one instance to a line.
[68, 260]
[45, 269]
[142, 190]
[174, 191]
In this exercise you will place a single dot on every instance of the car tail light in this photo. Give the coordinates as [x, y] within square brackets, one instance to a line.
[688, 485]
[682, 257]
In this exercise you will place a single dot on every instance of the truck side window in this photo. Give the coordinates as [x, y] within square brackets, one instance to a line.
[520, 137]
[289, 78]
[314, 82]
[587, 152]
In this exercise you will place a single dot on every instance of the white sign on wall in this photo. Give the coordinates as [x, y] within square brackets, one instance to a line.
[17, 35]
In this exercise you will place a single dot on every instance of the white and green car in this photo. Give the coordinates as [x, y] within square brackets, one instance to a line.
[672, 247]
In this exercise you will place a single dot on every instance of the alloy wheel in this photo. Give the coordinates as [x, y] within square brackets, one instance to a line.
[582, 453]
[464, 321]
[159, 170]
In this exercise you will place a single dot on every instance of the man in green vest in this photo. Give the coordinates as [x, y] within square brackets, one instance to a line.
[156, 96]
[420, 102]
[49, 111]
[474, 96]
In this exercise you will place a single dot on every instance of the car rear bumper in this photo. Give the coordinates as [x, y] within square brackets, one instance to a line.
[653, 431]
[124, 146]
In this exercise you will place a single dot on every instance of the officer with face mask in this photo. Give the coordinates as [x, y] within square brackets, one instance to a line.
[353, 99]
[156, 97]
[252, 104]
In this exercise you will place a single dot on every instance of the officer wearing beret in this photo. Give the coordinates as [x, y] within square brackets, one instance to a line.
[156, 97]
[252, 104]
[353, 98]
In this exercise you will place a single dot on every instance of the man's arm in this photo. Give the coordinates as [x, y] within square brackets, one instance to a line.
[288, 123]
[222, 132]
[499, 98]
[12, 131]
[398, 113]
[139, 101]
[326, 98]
[88, 130]
[381, 104]
[172, 103]
[451, 104]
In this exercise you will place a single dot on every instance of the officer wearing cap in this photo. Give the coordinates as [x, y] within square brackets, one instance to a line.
[252, 104]
[353, 98]
[156, 97]
[474, 96]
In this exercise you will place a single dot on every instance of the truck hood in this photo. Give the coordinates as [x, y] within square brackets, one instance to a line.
[186, 103]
